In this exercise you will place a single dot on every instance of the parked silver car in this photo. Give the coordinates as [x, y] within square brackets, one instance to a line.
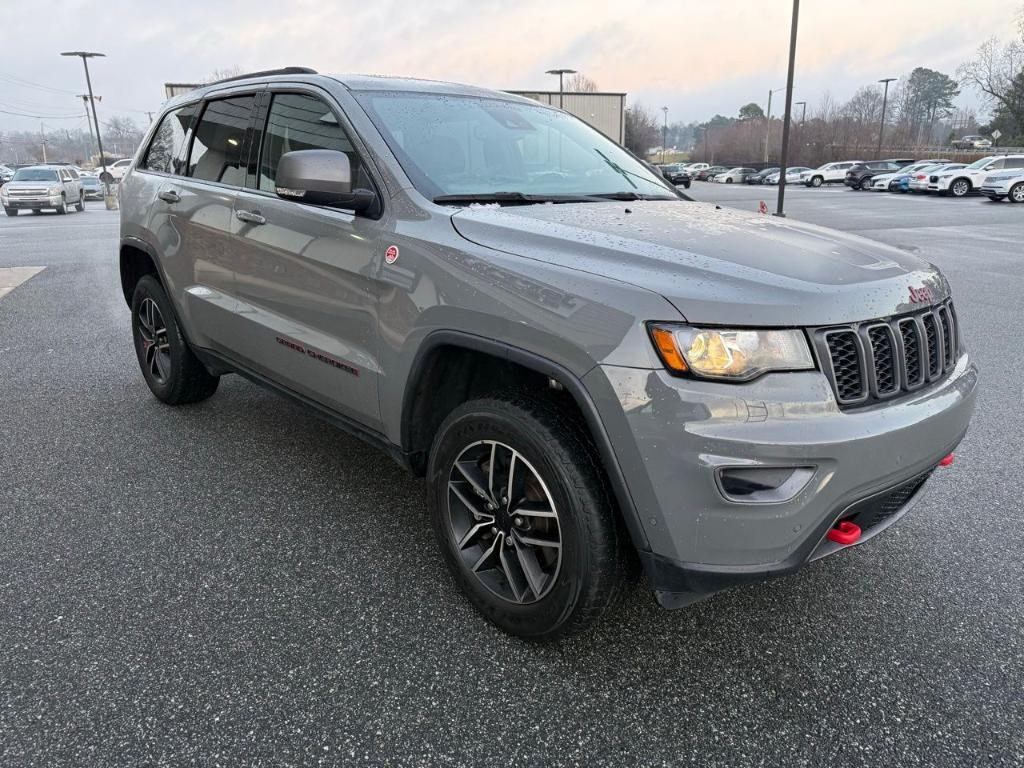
[576, 358]
[42, 187]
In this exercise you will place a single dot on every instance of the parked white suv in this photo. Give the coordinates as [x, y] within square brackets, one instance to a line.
[829, 173]
[1008, 184]
[119, 169]
[963, 181]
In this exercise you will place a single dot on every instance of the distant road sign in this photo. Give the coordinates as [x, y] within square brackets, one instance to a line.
[996, 133]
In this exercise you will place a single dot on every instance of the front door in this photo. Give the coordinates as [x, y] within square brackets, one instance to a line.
[305, 272]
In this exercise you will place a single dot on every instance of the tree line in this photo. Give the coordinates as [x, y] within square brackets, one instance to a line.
[121, 136]
[920, 112]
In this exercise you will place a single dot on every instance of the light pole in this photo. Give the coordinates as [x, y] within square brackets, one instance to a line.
[885, 98]
[784, 158]
[561, 84]
[664, 134]
[88, 120]
[768, 127]
[85, 56]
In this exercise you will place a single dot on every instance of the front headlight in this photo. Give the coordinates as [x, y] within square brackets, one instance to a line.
[55, 190]
[732, 354]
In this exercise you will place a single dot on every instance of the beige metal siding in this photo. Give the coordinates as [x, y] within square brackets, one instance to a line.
[604, 111]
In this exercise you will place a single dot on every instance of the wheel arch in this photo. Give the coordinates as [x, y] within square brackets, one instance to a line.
[136, 260]
[441, 377]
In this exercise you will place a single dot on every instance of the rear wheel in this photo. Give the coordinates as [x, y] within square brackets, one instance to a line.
[11, 211]
[817, 181]
[80, 205]
[1017, 193]
[523, 516]
[728, 181]
[960, 187]
[170, 368]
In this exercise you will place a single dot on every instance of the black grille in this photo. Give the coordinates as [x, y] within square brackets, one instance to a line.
[876, 360]
[934, 353]
[911, 351]
[842, 349]
[872, 511]
[883, 356]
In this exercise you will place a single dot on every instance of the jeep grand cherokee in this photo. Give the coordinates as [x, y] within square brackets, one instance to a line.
[578, 359]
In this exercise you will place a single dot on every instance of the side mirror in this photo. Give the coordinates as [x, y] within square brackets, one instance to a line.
[320, 177]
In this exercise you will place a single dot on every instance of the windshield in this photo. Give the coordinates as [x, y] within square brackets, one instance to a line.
[463, 145]
[980, 163]
[35, 174]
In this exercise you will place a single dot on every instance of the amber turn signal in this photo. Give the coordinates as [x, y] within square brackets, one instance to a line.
[665, 342]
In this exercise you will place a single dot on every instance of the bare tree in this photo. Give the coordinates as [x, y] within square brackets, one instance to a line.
[641, 129]
[993, 72]
[223, 74]
[580, 83]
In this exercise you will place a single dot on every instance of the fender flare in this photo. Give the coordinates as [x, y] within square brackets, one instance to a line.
[573, 385]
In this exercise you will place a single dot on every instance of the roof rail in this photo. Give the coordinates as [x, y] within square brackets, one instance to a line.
[266, 73]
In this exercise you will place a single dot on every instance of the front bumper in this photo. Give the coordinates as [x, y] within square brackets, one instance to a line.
[678, 435]
[32, 203]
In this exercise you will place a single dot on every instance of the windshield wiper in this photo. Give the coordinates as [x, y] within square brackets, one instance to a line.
[522, 198]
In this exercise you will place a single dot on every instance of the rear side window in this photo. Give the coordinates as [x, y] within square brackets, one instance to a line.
[299, 121]
[1014, 162]
[165, 150]
[218, 140]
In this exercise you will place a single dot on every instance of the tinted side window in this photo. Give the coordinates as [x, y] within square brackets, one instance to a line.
[1014, 162]
[217, 145]
[165, 151]
[297, 121]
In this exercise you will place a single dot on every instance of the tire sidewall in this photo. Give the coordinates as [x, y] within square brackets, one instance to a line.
[817, 181]
[148, 287]
[484, 422]
[1016, 188]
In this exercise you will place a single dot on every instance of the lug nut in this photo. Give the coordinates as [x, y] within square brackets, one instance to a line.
[494, 530]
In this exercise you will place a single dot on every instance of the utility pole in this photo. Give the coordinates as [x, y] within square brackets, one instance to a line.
[561, 85]
[768, 127]
[42, 139]
[664, 134]
[881, 125]
[789, 104]
[88, 121]
[85, 56]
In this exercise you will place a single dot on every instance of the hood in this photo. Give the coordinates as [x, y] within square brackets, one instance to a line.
[715, 265]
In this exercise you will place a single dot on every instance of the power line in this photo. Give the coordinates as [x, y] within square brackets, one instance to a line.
[19, 81]
[40, 117]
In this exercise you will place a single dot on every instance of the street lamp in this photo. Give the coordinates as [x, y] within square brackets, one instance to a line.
[561, 88]
[768, 128]
[85, 56]
[885, 98]
[784, 157]
[803, 113]
[664, 134]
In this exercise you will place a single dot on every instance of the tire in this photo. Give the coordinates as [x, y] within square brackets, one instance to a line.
[11, 211]
[728, 181]
[80, 205]
[817, 181]
[62, 209]
[866, 184]
[36, 211]
[959, 187]
[996, 198]
[1017, 193]
[174, 374]
[573, 584]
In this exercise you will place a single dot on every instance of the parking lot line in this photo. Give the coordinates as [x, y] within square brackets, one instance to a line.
[12, 277]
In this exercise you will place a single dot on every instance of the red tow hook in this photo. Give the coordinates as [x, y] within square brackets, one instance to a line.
[947, 461]
[844, 533]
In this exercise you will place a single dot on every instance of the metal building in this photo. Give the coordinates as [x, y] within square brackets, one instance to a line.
[604, 111]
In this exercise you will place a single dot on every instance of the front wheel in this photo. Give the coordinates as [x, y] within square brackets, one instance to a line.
[174, 374]
[1017, 193]
[960, 187]
[866, 184]
[524, 517]
[817, 181]
[728, 181]
[11, 211]
[80, 205]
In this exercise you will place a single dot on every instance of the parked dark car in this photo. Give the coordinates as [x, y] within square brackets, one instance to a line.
[760, 176]
[860, 174]
[676, 174]
[709, 173]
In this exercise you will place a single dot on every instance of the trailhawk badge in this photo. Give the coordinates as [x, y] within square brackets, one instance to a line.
[391, 254]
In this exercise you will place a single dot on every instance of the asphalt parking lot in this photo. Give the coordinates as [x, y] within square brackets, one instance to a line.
[238, 583]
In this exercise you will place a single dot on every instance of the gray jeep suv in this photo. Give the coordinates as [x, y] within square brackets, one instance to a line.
[582, 363]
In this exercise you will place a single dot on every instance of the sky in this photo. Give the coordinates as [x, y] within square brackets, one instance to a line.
[697, 57]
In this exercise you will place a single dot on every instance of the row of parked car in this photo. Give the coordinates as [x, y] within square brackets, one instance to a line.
[998, 177]
[39, 187]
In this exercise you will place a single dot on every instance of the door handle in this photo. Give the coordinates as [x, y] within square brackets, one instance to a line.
[250, 217]
[169, 196]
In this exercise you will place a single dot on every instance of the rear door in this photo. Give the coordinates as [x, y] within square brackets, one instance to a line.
[306, 273]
